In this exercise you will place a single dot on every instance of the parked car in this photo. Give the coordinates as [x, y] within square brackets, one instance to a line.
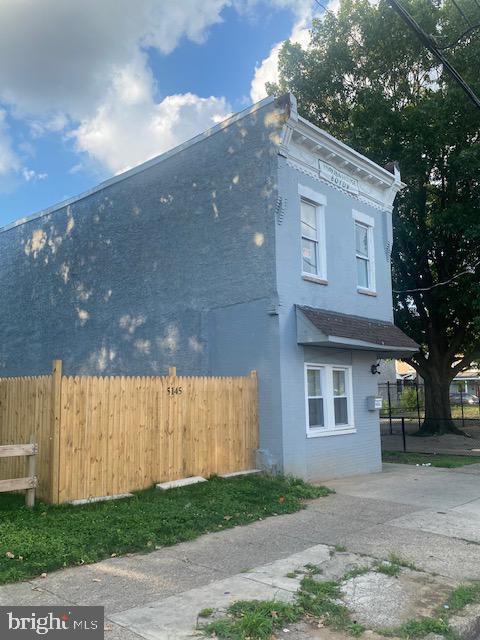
[466, 398]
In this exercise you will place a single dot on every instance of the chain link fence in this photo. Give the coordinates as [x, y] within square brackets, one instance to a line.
[402, 414]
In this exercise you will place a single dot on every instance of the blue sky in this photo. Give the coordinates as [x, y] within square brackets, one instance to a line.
[89, 89]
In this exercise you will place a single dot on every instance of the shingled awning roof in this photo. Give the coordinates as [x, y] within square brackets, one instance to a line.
[332, 329]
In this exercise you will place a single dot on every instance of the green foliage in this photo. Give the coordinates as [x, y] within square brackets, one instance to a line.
[436, 460]
[50, 537]
[408, 399]
[321, 600]
[463, 595]
[254, 619]
[206, 613]
[369, 81]
[420, 628]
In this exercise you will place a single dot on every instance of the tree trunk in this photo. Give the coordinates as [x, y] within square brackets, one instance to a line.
[438, 414]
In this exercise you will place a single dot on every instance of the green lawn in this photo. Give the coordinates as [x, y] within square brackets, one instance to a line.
[436, 460]
[34, 541]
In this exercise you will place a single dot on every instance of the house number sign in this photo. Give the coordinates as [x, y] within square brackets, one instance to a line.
[174, 391]
[338, 178]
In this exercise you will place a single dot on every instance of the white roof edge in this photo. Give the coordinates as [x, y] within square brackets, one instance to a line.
[358, 157]
[142, 167]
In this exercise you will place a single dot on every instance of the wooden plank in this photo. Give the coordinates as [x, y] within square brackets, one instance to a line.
[31, 470]
[14, 450]
[17, 484]
[56, 407]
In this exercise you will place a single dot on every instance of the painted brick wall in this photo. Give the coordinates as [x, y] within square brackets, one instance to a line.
[122, 281]
[348, 454]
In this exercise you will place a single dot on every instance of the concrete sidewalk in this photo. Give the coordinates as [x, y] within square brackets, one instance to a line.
[428, 516]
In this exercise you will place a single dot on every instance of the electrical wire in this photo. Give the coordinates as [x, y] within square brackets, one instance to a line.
[468, 271]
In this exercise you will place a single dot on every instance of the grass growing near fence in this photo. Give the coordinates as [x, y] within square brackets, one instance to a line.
[435, 460]
[50, 537]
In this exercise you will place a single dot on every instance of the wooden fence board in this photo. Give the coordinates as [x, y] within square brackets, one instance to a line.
[104, 436]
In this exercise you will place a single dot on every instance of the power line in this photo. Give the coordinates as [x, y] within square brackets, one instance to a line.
[467, 32]
[431, 45]
[468, 271]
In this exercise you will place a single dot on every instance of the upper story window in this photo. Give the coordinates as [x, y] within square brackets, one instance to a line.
[310, 249]
[364, 252]
[312, 220]
[329, 399]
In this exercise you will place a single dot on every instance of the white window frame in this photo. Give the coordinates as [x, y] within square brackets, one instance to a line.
[368, 222]
[319, 201]
[330, 429]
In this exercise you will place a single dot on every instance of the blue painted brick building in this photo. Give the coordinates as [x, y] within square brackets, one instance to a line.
[263, 243]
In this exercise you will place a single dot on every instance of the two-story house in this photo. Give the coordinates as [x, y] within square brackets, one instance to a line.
[263, 243]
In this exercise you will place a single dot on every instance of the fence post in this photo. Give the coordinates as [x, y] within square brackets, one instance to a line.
[30, 493]
[403, 436]
[463, 415]
[56, 401]
[418, 404]
[172, 371]
[389, 407]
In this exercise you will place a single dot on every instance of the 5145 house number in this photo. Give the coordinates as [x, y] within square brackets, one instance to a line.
[174, 391]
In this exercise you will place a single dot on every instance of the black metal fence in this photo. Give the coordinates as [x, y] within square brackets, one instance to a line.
[402, 415]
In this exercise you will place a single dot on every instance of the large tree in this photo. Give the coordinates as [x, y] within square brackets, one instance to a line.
[368, 80]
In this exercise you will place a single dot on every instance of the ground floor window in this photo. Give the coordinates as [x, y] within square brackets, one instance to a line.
[329, 399]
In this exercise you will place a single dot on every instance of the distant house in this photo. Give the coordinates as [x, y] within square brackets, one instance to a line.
[263, 243]
[467, 382]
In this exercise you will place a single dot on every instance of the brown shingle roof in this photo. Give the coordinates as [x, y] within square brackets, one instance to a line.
[342, 325]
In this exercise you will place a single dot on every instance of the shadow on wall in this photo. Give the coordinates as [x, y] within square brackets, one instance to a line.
[120, 280]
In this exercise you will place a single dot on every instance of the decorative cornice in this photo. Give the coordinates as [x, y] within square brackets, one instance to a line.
[372, 202]
[319, 155]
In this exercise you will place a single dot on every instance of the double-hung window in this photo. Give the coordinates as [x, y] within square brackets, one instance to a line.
[310, 249]
[312, 222]
[329, 399]
[364, 252]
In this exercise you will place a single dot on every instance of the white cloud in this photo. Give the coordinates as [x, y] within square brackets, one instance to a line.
[9, 161]
[267, 70]
[82, 70]
[130, 127]
[32, 175]
[70, 49]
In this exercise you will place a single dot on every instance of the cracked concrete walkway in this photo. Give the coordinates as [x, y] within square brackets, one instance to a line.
[428, 516]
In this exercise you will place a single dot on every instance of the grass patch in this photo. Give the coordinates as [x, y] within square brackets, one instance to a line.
[259, 619]
[355, 572]
[206, 613]
[463, 595]
[340, 548]
[420, 628]
[312, 569]
[436, 460]
[255, 619]
[393, 566]
[49, 537]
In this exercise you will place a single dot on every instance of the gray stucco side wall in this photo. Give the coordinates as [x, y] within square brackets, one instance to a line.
[245, 337]
[123, 280]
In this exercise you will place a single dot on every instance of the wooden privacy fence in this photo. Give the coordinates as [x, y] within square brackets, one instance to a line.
[100, 436]
[16, 484]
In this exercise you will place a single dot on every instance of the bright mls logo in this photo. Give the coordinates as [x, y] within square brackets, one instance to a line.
[25, 623]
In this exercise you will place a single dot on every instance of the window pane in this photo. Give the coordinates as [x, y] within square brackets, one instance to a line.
[309, 220]
[309, 256]
[314, 382]
[362, 273]
[341, 411]
[361, 240]
[315, 412]
[339, 383]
